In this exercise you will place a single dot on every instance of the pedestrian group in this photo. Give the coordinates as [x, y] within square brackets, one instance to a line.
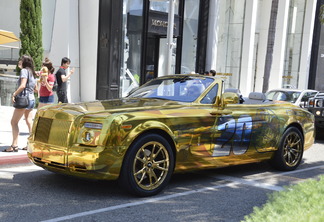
[45, 86]
[23, 97]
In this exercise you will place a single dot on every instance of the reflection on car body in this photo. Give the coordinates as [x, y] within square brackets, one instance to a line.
[159, 129]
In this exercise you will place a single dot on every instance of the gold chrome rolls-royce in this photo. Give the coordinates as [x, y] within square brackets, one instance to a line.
[171, 124]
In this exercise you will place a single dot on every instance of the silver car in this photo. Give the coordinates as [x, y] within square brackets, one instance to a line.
[296, 96]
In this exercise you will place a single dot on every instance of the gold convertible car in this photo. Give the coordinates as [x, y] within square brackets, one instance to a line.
[174, 123]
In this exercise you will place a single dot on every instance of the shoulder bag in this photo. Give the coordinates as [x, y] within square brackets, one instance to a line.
[22, 100]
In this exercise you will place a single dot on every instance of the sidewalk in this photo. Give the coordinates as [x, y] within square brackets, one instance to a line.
[19, 157]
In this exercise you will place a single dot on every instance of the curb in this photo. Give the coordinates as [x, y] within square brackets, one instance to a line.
[15, 159]
[8, 159]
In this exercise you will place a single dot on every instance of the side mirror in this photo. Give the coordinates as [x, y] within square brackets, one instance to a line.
[230, 98]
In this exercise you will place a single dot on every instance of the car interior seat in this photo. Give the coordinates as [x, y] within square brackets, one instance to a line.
[255, 97]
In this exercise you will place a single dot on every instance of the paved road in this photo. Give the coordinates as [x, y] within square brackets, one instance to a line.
[29, 193]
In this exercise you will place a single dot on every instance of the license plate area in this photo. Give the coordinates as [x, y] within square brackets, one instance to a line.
[50, 155]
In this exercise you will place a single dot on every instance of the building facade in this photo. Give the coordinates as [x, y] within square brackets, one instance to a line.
[117, 45]
[316, 76]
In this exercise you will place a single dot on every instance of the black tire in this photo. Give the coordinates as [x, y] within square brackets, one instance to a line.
[290, 152]
[148, 166]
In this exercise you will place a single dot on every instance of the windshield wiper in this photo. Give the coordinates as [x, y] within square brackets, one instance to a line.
[156, 98]
[181, 80]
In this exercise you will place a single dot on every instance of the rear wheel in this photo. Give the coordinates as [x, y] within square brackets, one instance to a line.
[290, 152]
[148, 166]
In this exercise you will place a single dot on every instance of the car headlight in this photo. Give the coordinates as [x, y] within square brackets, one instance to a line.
[318, 113]
[87, 136]
[319, 103]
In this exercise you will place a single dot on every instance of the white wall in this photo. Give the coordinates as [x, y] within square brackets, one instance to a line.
[247, 77]
[75, 35]
[89, 19]
[307, 44]
[262, 30]
[277, 68]
[10, 18]
[211, 54]
[48, 13]
[65, 42]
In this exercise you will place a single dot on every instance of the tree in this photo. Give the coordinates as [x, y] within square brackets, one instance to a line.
[31, 30]
[270, 45]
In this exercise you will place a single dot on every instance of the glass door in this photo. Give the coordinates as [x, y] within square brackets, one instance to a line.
[163, 57]
[157, 55]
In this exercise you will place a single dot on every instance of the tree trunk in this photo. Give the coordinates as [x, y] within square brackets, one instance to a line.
[270, 44]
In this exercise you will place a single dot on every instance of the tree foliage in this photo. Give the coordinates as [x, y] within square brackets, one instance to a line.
[31, 30]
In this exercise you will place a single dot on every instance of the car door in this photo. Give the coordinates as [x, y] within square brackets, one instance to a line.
[242, 131]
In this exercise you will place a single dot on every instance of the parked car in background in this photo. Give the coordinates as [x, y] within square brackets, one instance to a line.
[174, 123]
[316, 106]
[296, 96]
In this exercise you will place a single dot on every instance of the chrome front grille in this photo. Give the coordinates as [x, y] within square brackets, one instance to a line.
[52, 131]
[43, 129]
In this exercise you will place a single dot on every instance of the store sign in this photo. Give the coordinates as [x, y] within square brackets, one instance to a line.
[158, 23]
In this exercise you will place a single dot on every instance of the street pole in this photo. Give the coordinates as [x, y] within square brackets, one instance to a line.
[170, 37]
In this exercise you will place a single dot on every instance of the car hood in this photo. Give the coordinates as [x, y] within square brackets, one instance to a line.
[113, 106]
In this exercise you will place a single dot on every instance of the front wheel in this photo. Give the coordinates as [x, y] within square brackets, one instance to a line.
[290, 152]
[148, 166]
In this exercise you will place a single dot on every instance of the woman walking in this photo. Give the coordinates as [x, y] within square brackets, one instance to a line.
[47, 80]
[26, 80]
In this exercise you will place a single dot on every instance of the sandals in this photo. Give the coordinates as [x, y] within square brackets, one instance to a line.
[25, 148]
[11, 149]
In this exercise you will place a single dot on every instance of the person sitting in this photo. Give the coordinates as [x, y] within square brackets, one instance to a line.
[193, 92]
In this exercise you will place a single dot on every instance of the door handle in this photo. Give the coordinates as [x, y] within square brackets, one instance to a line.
[220, 112]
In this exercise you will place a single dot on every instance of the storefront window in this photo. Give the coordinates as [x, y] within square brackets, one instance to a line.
[132, 34]
[294, 43]
[190, 32]
[230, 28]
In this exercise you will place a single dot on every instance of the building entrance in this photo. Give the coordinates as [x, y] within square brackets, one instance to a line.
[156, 57]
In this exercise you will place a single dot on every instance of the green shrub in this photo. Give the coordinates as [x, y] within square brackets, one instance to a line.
[301, 202]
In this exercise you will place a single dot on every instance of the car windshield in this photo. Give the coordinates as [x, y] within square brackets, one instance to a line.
[183, 89]
[289, 96]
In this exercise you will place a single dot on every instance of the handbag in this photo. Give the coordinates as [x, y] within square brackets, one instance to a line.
[22, 100]
[55, 84]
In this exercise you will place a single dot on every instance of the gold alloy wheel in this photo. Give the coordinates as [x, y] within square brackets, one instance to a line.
[292, 149]
[151, 165]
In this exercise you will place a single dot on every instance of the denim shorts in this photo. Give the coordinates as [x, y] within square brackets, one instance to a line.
[46, 99]
[31, 104]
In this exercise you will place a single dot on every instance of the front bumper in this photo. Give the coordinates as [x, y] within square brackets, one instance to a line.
[103, 163]
[319, 116]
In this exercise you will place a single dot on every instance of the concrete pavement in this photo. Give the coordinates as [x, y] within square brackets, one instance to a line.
[19, 157]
